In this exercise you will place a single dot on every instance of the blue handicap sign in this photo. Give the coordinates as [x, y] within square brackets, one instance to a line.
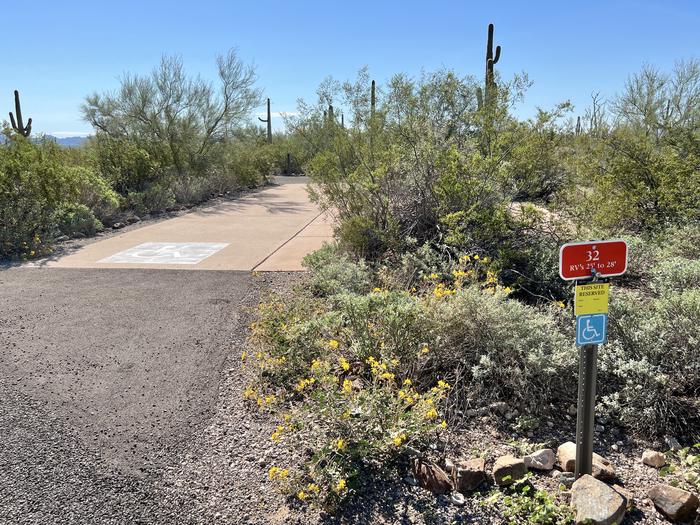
[591, 329]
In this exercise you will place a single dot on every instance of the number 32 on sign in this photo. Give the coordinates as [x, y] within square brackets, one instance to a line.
[581, 260]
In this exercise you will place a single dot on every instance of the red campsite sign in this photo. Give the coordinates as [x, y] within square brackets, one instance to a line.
[578, 260]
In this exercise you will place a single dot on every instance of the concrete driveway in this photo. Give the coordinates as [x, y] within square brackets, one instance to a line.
[267, 230]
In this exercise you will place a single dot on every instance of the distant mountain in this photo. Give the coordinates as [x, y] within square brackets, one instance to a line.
[69, 142]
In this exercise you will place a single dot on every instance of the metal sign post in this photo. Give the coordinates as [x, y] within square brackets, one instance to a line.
[586, 263]
[585, 412]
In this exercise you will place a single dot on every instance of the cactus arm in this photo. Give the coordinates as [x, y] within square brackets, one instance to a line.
[12, 121]
[498, 54]
[18, 110]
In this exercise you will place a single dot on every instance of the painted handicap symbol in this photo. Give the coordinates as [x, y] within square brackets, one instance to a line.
[166, 253]
[591, 329]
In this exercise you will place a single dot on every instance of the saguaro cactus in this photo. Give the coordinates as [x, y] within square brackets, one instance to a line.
[373, 98]
[18, 125]
[269, 123]
[489, 82]
[331, 117]
[578, 125]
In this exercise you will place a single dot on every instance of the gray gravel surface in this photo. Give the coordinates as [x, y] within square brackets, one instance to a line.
[106, 379]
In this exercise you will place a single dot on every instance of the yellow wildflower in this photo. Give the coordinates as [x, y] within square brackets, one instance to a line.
[333, 344]
[399, 439]
[377, 290]
[340, 444]
[443, 424]
[433, 276]
[272, 473]
[407, 382]
[443, 384]
[340, 486]
[431, 414]
[425, 349]
[507, 290]
[387, 375]
[312, 487]
[347, 386]
[301, 495]
[248, 393]
[244, 356]
[560, 304]
[277, 434]
[283, 474]
[344, 363]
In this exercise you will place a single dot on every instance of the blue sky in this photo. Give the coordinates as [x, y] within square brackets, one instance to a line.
[57, 52]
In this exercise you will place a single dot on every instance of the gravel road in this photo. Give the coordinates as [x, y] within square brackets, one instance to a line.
[107, 378]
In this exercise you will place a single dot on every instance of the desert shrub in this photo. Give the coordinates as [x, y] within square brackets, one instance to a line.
[157, 197]
[126, 166]
[676, 275]
[76, 219]
[191, 189]
[34, 182]
[95, 193]
[650, 370]
[333, 273]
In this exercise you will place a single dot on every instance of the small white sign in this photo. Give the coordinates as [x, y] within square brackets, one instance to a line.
[166, 253]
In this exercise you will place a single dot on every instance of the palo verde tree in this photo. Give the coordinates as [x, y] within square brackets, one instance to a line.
[176, 118]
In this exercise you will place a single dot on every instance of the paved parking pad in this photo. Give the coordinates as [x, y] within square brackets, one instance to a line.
[269, 230]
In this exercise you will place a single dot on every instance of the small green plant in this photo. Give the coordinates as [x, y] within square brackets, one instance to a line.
[523, 504]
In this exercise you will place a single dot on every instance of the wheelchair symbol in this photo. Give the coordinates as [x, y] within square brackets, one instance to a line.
[591, 329]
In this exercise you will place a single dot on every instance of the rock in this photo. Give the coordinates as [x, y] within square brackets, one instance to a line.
[541, 460]
[615, 447]
[62, 238]
[673, 443]
[410, 480]
[627, 494]
[602, 468]
[118, 225]
[431, 477]
[567, 479]
[449, 466]
[469, 474]
[458, 499]
[78, 235]
[674, 503]
[653, 458]
[596, 503]
[508, 469]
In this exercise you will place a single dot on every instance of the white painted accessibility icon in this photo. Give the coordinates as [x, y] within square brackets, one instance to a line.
[166, 253]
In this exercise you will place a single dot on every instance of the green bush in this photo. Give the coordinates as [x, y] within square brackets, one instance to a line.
[72, 219]
[650, 370]
[34, 182]
[95, 193]
[334, 273]
[127, 167]
[156, 198]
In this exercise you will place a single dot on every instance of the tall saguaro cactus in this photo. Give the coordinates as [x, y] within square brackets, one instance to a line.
[373, 99]
[489, 80]
[18, 125]
[269, 123]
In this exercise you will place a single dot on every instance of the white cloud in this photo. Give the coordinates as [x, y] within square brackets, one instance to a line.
[64, 134]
